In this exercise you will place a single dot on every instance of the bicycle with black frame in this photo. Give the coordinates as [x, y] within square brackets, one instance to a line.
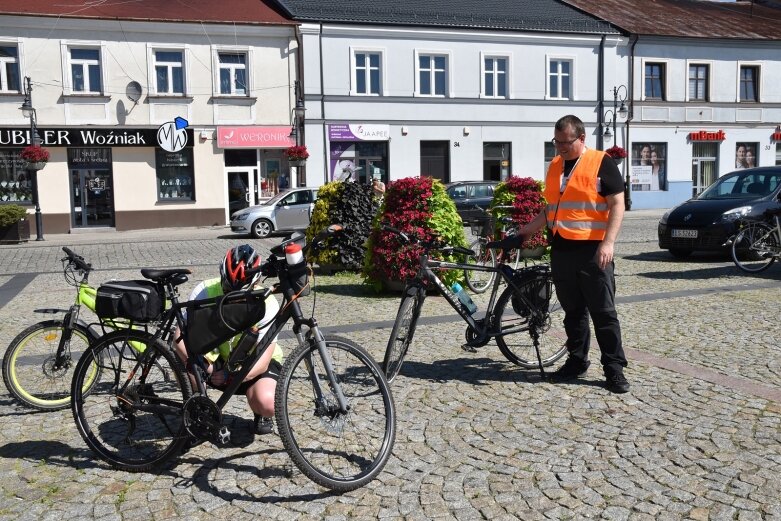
[758, 243]
[526, 319]
[333, 407]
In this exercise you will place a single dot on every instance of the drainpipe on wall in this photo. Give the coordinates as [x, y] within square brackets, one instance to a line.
[601, 92]
[631, 100]
[326, 152]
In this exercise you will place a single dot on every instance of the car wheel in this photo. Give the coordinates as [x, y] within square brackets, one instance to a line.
[680, 254]
[262, 228]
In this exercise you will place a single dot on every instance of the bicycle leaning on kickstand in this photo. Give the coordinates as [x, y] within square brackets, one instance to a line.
[526, 319]
[758, 243]
[333, 407]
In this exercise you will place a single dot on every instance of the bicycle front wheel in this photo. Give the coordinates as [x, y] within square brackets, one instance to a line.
[32, 371]
[518, 324]
[403, 331]
[338, 450]
[132, 419]
[479, 281]
[755, 247]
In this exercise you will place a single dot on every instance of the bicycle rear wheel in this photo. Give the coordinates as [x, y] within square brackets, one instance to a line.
[755, 247]
[513, 314]
[31, 371]
[132, 419]
[339, 451]
[403, 331]
[479, 281]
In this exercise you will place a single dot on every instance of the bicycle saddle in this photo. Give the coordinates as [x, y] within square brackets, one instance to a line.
[174, 275]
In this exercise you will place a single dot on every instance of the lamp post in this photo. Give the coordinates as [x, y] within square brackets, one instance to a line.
[29, 112]
[297, 132]
[618, 111]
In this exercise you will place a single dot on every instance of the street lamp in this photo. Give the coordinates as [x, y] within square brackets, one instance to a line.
[621, 111]
[29, 112]
[298, 129]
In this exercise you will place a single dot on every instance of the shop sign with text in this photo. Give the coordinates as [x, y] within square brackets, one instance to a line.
[85, 137]
[358, 132]
[704, 135]
[254, 137]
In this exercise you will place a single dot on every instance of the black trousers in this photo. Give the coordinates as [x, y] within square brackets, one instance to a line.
[584, 289]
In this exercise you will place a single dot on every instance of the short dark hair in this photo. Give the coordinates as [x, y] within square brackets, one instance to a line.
[571, 121]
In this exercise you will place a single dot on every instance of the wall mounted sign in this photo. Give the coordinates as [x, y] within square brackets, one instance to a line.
[358, 132]
[704, 135]
[254, 137]
[86, 137]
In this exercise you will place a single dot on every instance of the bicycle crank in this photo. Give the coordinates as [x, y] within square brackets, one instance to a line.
[203, 420]
[475, 339]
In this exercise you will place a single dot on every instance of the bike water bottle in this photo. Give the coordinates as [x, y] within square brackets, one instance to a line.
[464, 298]
[293, 254]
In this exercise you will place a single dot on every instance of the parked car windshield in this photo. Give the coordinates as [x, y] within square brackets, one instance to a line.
[274, 200]
[743, 185]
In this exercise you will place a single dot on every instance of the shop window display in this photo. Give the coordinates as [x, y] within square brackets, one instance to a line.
[15, 183]
[175, 175]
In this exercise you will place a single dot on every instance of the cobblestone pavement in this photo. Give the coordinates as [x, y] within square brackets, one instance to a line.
[698, 437]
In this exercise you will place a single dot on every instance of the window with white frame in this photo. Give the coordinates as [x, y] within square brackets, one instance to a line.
[495, 76]
[169, 71]
[367, 73]
[232, 73]
[749, 83]
[85, 70]
[432, 74]
[654, 81]
[699, 74]
[9, 68]
[559, 78]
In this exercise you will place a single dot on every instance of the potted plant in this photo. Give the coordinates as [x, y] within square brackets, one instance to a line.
[36, 156]
[14, 227]
[351, 205]
[525, 196]
[617, 153]
[297, 155]
[418, 206]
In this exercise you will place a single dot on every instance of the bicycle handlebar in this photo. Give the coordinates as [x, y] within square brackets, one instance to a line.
[76, 259]
[434, 244]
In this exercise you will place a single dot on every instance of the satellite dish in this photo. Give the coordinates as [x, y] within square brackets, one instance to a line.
[133, 91]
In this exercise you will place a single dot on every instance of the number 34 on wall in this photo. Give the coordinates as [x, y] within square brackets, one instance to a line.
[456, 144]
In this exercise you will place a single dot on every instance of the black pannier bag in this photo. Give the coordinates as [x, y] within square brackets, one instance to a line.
[136, 300]
[210, 322]
[537, 287]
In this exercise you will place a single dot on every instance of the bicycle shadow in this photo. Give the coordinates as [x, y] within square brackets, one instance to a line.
[474, 371]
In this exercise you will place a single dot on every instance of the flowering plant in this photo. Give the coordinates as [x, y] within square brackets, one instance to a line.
[35, 154]
[616, 152]
[524, 194]
[297, 153]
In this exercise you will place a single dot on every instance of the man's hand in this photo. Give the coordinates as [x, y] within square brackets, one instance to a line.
[604, 254]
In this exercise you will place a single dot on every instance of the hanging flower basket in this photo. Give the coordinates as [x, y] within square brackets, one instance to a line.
[617, 153]
[297, 155]
[36, 157]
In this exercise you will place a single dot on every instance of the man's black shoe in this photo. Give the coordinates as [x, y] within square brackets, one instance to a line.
[571, 369]
[263, 425]
[616, 383]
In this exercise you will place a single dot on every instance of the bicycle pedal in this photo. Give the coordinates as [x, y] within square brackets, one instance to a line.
[468, 348]
[223, 436]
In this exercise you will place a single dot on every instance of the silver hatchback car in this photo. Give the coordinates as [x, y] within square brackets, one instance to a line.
[287, 211]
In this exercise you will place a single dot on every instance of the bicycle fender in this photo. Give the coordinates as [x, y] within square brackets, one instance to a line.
[93, 334]
[50, 311]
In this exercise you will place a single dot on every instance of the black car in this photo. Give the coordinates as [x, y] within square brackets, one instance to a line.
[468, 194]
[705, 222]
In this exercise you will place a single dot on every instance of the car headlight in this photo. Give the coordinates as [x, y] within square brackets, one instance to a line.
[735, 213]
[663, 220]
[239, 216]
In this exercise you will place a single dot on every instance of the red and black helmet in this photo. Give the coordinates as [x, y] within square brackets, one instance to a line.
[233, 268]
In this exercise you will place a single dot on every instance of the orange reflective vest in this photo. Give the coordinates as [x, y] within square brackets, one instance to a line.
[579, 212]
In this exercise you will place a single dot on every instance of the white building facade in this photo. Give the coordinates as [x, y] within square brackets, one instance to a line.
[149, 123]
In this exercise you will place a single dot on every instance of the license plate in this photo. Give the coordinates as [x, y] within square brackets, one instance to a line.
[685, 234]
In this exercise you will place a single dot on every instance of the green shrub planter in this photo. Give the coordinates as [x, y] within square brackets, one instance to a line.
[14, 226]
[418, 206]
[353, 206]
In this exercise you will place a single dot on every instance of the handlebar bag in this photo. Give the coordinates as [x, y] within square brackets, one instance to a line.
[137, 300]
[210, 322]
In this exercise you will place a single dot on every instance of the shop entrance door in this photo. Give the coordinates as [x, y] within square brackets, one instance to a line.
[92, 200]
[704, 166]
[241, 189]
[368, 167]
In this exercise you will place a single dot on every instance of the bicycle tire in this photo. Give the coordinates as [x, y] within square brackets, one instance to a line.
[28, 364]
[123, 429]
[402, 333]
[518, 347]
[356, 445]
[479, 281]
[755, 247]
